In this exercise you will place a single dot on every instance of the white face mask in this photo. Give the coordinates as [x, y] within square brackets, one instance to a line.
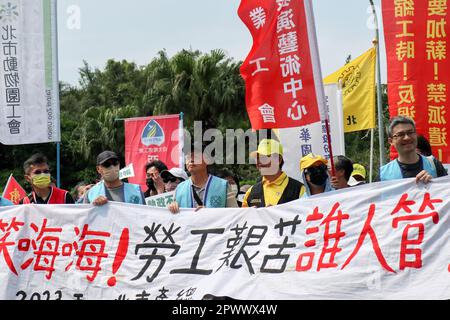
[234, 189]
[111, 174]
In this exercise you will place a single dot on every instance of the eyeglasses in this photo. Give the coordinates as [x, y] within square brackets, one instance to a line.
[46, 171]
[171, 179]
[401, 135]
[107, 164]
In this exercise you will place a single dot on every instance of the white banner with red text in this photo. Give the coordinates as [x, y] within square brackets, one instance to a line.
[391, 243]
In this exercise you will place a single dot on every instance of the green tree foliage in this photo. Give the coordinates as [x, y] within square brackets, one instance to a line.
[205, 87]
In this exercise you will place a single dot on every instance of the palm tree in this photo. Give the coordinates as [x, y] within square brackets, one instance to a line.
[100, 129]
[205, 87]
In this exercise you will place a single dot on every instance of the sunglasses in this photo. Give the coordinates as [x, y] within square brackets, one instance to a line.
[46, 171]
[171, 179]
[108, 164]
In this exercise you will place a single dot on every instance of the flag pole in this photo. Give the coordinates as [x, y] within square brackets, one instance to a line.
[55, 44]
[7, 182]
[372, 134]
[181, 140]
[58, 164]
[376, 43]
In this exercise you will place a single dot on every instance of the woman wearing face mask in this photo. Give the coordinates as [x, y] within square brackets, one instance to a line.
[315, 174]
[233, 182]
[37, 173]
[111, 188]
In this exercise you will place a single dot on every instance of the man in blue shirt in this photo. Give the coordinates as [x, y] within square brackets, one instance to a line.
[111, 188]
[409, 164]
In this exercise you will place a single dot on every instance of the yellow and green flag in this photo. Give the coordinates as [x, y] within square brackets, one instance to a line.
[358, 91]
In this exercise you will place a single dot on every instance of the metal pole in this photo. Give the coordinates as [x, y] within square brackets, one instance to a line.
[376, 42]
[55, 52]
[181, 140]
[372, 133]
[58, 164]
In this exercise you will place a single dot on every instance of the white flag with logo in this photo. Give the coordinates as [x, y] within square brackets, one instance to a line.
[298, 142]
[29, 103]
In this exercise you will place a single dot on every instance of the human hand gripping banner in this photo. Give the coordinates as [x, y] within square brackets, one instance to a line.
[393, 243]
[282, 71]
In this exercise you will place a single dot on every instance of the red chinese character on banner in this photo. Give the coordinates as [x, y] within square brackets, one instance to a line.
[368, 230]
[45, 249]
[309, 256]
[334, 218]
[4, 249]
[90, 251]
[7, 227]
[403, 206]
[335, 237]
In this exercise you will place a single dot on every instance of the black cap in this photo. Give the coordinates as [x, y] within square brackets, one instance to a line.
[105, 156]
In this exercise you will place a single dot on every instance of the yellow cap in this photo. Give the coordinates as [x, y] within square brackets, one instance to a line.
[268, 147]
[359, 170]
[310, 159]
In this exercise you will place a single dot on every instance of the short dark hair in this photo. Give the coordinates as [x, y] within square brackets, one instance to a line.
[157, 164]
[35, 159]
[423, 145]
[225, 173]
[400, 120]
[344, 163]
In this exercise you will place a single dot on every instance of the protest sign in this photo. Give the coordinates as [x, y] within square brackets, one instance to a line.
[393, 243]
[161, 200]
[153, 138]
[282, 71]
[29, 104]
[417, 35]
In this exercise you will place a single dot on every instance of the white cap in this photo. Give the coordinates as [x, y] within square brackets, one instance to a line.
[176, 172]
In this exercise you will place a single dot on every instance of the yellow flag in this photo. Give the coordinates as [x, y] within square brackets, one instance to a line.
[358, 91]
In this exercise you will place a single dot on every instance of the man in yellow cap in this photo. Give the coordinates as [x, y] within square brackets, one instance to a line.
[275, 187]
[358, 175]
[315, 175]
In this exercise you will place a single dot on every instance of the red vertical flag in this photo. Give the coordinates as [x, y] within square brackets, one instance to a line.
[417, 38]
[152, 138]
[13, 191]
[282, 71]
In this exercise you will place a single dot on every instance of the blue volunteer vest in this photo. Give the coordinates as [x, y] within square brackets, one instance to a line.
[5, 202]
[132, 192]
[215, 193]
[392, 171]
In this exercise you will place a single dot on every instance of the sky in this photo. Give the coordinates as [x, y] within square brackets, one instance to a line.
[136, 30]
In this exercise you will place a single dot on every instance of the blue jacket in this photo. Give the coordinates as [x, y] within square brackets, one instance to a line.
[392, 171]
[5, 202]
[132, 193]
[307, 194]
[215, 193]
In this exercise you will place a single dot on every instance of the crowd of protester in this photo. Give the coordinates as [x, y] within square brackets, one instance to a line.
[198, 188]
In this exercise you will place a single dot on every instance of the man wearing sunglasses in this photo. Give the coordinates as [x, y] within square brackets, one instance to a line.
[37, 173]
[409, 164]
[111, 188]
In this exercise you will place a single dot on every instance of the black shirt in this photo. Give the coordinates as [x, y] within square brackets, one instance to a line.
[411, 170]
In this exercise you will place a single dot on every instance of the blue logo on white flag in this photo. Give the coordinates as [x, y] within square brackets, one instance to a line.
[153, 134]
